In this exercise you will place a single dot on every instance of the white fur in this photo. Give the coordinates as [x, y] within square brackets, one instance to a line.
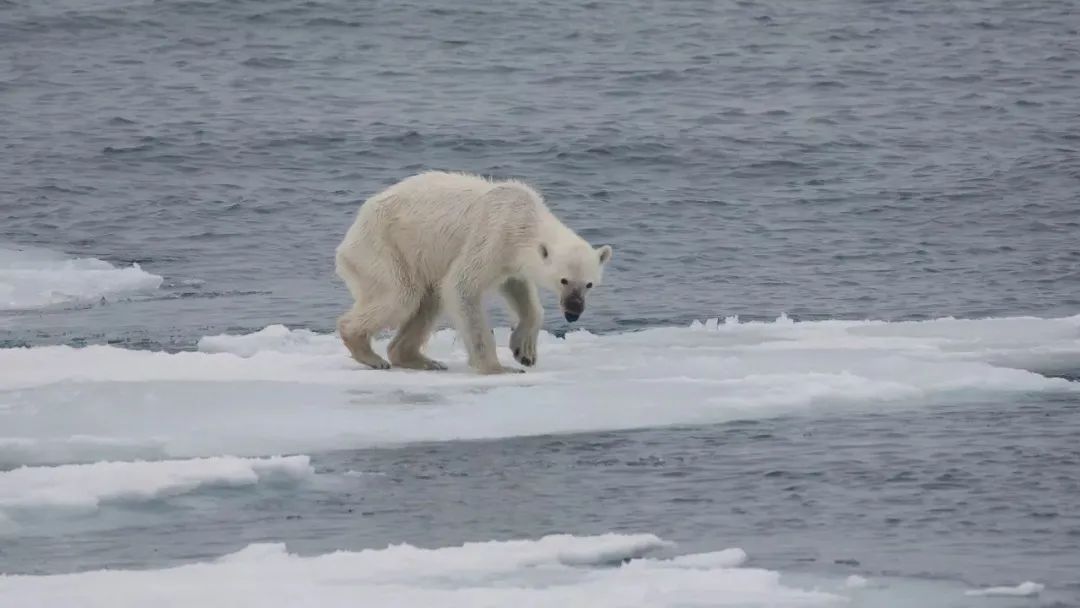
[439, 241]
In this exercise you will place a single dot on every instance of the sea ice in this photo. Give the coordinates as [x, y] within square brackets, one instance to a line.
[293, 391]
[84, 486]
[522, 573]
[1024, 589]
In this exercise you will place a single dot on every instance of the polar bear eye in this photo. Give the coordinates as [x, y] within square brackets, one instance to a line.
[564, 282]
[588, 285]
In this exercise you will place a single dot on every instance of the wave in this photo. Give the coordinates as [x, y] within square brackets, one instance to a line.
[283, 390]
[33, 278]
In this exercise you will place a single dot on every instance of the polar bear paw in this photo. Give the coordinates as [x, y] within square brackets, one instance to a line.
[523, 345]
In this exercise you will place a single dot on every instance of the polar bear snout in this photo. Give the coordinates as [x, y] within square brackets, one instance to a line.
[573, 305]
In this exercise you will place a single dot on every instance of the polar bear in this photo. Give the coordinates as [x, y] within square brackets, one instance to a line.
[439, 241]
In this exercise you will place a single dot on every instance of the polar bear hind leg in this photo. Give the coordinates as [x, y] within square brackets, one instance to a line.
[356, 327]
[404, 349]
[378, 304]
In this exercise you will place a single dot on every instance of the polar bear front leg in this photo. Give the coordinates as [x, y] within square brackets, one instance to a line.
[464, 303]
[524, 301]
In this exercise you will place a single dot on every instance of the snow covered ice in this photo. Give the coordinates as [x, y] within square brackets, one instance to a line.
[85, 486]
[82, 427]
[558, 570]
[1027, 588]
[607, 570]
[292, 391]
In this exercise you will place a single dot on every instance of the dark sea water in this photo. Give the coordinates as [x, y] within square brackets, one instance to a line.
[839, 159]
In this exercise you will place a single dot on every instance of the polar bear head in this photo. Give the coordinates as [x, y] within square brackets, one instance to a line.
[572, 272]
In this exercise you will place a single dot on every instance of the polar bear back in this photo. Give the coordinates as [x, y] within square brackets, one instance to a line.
[428, 221]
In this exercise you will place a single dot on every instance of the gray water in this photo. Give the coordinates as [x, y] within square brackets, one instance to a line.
[828, 159]
[967, 494]
[835, 159]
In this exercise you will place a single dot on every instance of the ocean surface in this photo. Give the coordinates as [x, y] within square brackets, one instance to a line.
[835, 354]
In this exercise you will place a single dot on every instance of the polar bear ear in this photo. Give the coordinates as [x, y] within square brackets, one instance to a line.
[605, 252]
[543, 251]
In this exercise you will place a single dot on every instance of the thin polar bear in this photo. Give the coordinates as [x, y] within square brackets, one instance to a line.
[438, 242]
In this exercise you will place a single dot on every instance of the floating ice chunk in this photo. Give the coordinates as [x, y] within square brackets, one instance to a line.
[1024, 589]
[573, 550]
[855, 582]
[85, 486]
[37, 278]
[526, 573]
[483, 559]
